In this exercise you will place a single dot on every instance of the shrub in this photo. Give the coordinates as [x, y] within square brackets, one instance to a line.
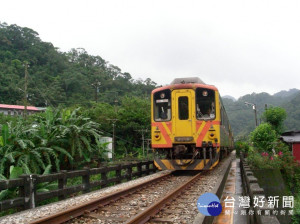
[264, 137]
[275, 116]
[241, 146]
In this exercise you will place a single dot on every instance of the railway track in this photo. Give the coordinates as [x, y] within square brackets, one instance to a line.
[170, 198]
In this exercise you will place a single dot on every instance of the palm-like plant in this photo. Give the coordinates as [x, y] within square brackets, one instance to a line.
[72, 136]
[18, 148]
[14, 172]
[81, 135]
[48, 140]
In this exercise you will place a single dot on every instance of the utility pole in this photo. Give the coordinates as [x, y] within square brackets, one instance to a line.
[148, 146]
[115, 106]
[25, 89]
[255, 112]
[114, 136]
[114, 120]
[143, 131]
[96, 85]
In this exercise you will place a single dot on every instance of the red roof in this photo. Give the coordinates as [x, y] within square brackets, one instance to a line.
[18, 107]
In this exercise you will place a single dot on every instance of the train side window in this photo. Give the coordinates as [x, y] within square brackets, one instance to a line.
[162, 105]
[183, 108]
[205, 104]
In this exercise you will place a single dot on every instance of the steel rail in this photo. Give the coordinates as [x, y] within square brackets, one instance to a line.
[93, 205]
[144, 216]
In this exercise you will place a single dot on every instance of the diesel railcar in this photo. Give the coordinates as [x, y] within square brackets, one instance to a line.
[189, 126]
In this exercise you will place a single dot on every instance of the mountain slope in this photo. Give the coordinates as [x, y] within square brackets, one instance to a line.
[55, 77]
[242, 117]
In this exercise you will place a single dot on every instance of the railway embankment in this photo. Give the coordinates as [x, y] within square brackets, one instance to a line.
[222, 181]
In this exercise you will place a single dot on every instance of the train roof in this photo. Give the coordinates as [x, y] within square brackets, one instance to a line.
[186, 83]
[187, 80]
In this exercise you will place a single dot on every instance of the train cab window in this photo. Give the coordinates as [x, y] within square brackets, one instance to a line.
[162, 105]
[205, 104]
[183, 108]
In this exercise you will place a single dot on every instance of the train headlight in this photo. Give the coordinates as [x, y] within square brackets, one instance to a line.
[212, 134]
[157, 135]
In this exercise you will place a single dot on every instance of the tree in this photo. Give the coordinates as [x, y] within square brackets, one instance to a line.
[275, 116]
[264, 137]
[17, 147]
[133, 116]
[81, 134]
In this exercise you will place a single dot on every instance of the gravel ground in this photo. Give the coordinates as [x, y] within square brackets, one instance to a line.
[125, 208]
[184, 209]
[46, 210]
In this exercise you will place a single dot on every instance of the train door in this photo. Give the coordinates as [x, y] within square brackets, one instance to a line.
[183, 125]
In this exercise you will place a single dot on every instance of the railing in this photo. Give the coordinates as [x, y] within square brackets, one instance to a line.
[251, 188]
[27, 184]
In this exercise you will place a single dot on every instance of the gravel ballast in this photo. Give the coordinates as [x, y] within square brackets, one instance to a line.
[46, 210]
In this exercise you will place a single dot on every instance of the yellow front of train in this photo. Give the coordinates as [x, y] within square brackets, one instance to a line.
[185, 131]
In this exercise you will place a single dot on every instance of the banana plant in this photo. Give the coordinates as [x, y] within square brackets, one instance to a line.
[14, 172]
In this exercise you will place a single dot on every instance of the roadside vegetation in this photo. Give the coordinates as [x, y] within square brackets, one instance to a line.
[69, 139]
[48, 141]
[264, 150]
[84, 96]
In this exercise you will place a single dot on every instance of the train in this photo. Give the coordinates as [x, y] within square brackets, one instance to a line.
[190, 129]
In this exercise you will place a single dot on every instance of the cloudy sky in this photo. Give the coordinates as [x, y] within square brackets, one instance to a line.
[239, 46]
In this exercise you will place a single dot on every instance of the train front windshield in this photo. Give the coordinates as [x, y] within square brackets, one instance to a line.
[205, 104]
[162, 105]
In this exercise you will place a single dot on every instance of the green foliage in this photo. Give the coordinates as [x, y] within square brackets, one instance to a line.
[47, 186]
[58, 78]
[275, 116]
[55, 139]
[74, 137]
[264, 160]
[133, 114]
[293, 110]
[24, 147]
[14, 172]
[280, 158]
[241, 117]
[264, 137]
[68, 79]
[241, 146]
[296, 216]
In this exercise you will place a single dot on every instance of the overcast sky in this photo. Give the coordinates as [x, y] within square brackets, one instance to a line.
[239, 46]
